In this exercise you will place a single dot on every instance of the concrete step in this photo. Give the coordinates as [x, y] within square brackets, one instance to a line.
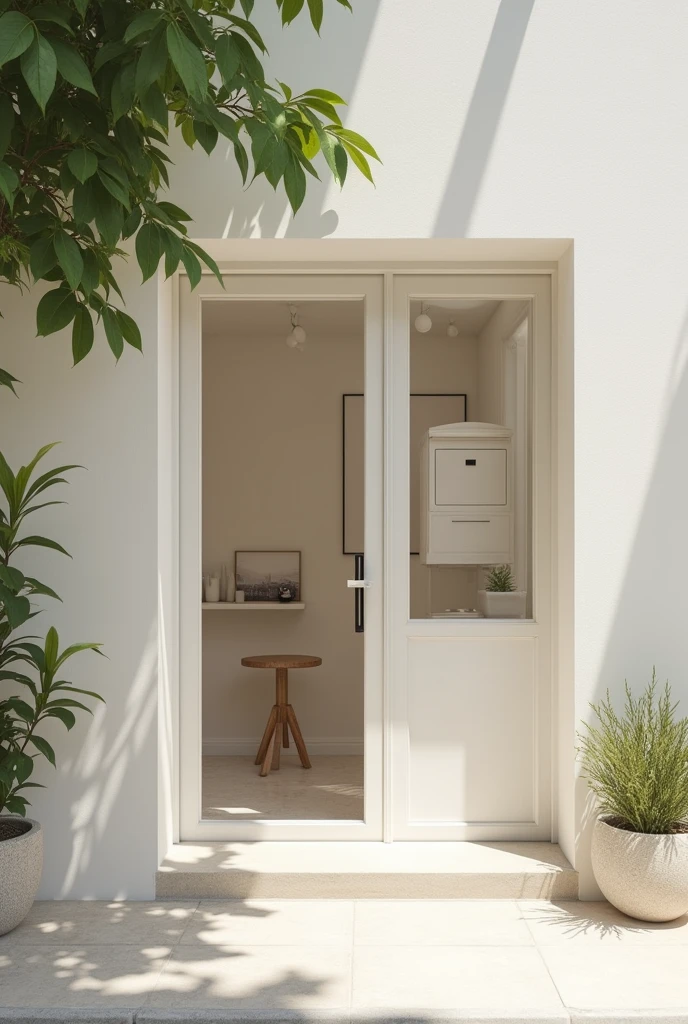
[340, 870]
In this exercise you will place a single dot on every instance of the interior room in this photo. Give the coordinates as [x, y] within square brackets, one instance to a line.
[283, 520]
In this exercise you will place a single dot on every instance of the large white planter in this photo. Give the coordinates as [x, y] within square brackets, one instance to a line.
[21, 864]
[644, 876]
[502, 604]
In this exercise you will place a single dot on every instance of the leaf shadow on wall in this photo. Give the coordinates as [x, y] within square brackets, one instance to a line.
[210, 188]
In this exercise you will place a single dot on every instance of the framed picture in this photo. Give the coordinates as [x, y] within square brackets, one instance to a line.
[426, 411]
[262, 574]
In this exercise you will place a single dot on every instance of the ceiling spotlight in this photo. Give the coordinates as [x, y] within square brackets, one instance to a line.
[422, 323]
[297, 338]
[452, 330]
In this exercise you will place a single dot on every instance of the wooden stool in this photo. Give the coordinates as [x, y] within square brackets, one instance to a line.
[282, 717]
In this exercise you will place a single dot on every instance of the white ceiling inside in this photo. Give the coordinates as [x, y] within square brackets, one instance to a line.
[268, 318]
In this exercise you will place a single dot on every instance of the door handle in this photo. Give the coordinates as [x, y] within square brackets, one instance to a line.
[358, 584]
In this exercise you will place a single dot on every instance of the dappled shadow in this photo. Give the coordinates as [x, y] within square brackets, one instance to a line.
[572, 919]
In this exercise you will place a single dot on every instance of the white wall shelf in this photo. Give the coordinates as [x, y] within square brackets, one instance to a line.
[255, 606]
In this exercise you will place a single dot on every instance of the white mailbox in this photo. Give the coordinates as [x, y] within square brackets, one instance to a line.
[466, 514]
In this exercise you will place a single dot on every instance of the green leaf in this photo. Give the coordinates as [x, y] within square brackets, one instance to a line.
[90, 279]
[191, 265]
[72, 66]
[110, 51]
[53, 13]
[82, 334]
[247, 7]
[75, 689]
[346, 135]
[82, 163]
[241, 158]
[56, 309]
[315, 8]
[131, 224]
[144, 22]
[341, 163]
[9, 183]
[73, 649]
[359, 161]
[109, 215]
[114, 188]
[42, 257]
[17, 608]
[16, 805]
[173, 250]
[6, 124]
[8, 381]
[84, 204]
[44, 748]
[16, 35]
[36, 586]
[294, 183]
[188, 61]
[41, 542]
[290, 10]
[122, 95]
[325, 94]
[151, 63]
[66, 717]
[228, 58]
[21, 708]
[39, 70]
[12, 577]
[69, 257]
[130, 331]
[149, 249]
[113, 332]
[66, 702]
[154, 106]
[206, 134]
[323, 107]
[251, 31]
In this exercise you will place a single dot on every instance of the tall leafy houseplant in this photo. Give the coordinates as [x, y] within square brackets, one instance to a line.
[89, 90]
[636, 764]
[31, 672]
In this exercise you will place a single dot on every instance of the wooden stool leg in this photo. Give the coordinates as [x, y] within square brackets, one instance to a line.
[298, 738]
[285, 733]
[265, 767]
[269, 728]
[277, 745]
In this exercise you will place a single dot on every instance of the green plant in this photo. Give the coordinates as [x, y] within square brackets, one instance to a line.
[87, 88]
[500, 580]
[34, 666]
[637, 764]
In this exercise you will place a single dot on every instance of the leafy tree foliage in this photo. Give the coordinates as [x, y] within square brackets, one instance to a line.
[89, 92]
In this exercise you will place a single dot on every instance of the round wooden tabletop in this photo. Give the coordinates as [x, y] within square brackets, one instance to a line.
[281, 661]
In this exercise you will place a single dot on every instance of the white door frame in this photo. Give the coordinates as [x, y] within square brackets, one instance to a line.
[285, 288]
[550, 258]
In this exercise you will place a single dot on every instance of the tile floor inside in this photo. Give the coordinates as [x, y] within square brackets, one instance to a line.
[332, 788]
[344, 960]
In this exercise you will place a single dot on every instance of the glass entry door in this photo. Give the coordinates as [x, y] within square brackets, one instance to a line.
[280, 575]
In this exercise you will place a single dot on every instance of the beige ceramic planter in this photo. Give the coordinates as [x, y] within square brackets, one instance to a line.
[21, 864]
[644, 876]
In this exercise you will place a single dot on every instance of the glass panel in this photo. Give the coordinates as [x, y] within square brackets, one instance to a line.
[281, 657]
[469, 459]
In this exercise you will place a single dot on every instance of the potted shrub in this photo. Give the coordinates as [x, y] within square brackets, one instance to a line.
[500, 599]
[637, 766]
[33, 688]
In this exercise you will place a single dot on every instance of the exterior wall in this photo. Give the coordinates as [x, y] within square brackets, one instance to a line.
[511, 119]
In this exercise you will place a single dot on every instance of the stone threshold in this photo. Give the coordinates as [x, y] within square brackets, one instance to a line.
[354, 870]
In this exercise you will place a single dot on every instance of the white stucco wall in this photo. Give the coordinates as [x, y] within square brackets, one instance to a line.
[519, 118]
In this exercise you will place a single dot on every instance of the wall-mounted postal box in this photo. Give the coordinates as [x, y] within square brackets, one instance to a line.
[467, 495]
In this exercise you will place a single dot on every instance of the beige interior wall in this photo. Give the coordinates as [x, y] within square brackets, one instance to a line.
[490, 367]
[272, 471]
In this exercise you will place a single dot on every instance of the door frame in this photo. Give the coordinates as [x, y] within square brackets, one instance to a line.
[297, 288]
[552, 258]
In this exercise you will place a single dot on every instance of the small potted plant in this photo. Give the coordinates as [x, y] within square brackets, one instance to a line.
[33, 687]
[637, 767]
[500, 599]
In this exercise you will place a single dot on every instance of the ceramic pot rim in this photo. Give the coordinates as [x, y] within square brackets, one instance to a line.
[35, 827]
[637, 835]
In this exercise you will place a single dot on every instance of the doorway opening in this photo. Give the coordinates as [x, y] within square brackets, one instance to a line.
[278, 630]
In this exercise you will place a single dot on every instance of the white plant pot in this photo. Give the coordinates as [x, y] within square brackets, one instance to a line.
[21, 865]
[644, 876]
[502, 605]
